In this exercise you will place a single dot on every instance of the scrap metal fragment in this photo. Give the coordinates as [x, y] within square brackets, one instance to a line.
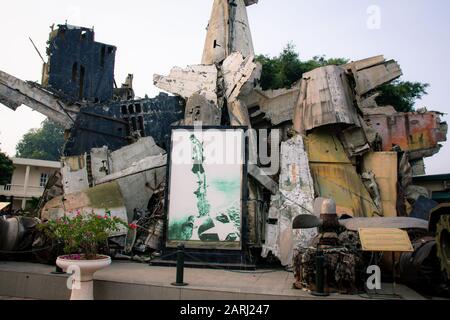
[418, 134]
[296, 197]
[376, 76]
[200, 110]
[94, 200]
[325, 99]
[142, 166]
[15, 92]
[276, 106]
[75, 174]
[228, 31]
[335, 176]
[238, 112]
[372, 73]
[239, 75]
[265, 180]
[384, 166]
[381, 222]
[201, 79]
[372, 186]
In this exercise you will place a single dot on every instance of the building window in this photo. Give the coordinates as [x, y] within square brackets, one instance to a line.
[44, 179]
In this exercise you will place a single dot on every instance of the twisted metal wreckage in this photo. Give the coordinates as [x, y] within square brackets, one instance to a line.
[337, 143]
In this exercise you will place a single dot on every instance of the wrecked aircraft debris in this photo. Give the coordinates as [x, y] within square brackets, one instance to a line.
[228, 31]
[336, 143]
[418, 134]
[296, 197]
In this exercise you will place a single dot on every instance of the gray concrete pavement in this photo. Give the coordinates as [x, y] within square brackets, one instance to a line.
[131, 281]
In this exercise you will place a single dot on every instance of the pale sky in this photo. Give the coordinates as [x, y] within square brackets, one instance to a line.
[153, 36]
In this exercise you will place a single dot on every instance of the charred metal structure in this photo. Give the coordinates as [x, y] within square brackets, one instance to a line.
[118, 123]
[336, 143]
[79, 68]
[78, 92]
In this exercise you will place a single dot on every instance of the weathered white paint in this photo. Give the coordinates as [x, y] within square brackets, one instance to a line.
[277, 105]
[328, 100]
[141, 166]
[138, 170]
[237, 72]
[100, 163]
[369, 79]
[201, 79]
[74, 174]
[296, 197]
[127, 156]
[228, 31]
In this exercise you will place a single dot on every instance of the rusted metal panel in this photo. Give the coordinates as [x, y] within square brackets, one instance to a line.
[418, 134]
[336, 178]
[385, 167]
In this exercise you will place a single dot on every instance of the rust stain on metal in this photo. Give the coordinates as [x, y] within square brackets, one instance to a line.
[417, 133]
[336, 178]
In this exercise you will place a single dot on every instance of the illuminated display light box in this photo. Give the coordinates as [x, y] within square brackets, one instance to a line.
[207, 170]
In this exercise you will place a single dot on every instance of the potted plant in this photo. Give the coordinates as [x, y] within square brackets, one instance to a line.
[82, 237]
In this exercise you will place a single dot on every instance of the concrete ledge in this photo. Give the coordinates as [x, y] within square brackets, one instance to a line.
[132, 281]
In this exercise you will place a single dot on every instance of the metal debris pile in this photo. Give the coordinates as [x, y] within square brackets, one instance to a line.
[334, 142]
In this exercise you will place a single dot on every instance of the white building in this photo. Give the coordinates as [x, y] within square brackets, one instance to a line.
[28, 180]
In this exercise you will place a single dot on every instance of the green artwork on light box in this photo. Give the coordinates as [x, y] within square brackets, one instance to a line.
[205, 197]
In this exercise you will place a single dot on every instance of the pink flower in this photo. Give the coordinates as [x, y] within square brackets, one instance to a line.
[133, 226]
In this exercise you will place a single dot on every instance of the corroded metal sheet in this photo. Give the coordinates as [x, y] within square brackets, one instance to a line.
[371, 78]
[228, 31]
[296, 197]
[336, 178]
[385, 167]
[185, 82]
[418, 134]
[97, 200]
[328, 100]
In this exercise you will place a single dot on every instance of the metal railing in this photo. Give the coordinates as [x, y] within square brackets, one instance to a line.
[18, 190]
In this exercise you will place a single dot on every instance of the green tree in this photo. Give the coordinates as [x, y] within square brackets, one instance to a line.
[45, 143]
[402, 95]
[287, 68]
[6, 169]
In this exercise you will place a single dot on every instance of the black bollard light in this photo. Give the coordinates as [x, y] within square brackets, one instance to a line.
[320, 275]
[180, 267]
[58, 270]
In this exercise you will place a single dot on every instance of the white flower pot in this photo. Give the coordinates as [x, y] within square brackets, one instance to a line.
[82, 275]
